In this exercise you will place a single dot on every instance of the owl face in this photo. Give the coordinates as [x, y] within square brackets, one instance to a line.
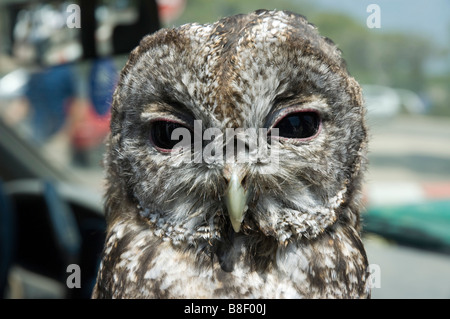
[267, 72]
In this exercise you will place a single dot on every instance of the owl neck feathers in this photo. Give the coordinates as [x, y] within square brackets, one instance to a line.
[333, 264]
[251, 247]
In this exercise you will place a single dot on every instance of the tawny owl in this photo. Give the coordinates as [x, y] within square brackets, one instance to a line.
[234, 166]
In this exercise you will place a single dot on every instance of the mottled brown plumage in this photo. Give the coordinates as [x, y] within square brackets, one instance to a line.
[283, 228]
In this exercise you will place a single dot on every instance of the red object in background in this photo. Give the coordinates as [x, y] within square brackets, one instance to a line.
[404, 193]
[437, 190]
[170, 10]
[91, 129]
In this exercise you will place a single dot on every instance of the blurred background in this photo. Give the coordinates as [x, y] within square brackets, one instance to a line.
[59, 63]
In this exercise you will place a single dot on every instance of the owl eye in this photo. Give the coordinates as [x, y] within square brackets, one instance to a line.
[164, 137]
[299, 125]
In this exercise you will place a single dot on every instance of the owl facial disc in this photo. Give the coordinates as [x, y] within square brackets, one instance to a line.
[236, 199]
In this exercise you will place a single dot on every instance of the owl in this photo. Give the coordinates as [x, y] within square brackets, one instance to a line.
[234, 165]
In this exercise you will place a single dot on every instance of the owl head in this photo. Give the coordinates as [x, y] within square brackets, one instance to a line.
[280, 89]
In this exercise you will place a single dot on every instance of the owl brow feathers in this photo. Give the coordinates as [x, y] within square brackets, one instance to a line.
[220, 70]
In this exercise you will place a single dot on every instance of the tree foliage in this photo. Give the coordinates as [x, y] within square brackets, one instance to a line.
[373, 56]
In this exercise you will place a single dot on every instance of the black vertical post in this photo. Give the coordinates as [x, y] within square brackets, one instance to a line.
[88, 27]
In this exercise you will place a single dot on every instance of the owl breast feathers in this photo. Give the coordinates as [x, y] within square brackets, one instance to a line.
[234, 166]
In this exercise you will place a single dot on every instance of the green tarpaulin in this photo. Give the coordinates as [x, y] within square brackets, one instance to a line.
[426, 224]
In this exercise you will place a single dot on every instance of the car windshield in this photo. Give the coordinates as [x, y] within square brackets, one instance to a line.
[54, 95]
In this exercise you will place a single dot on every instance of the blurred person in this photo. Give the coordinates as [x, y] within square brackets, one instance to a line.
[50, 93]
[60, 116]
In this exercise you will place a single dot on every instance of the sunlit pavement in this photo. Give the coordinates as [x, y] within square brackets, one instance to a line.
[406, 272]
[409, 164]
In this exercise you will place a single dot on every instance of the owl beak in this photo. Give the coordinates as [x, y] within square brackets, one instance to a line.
[236, 200]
